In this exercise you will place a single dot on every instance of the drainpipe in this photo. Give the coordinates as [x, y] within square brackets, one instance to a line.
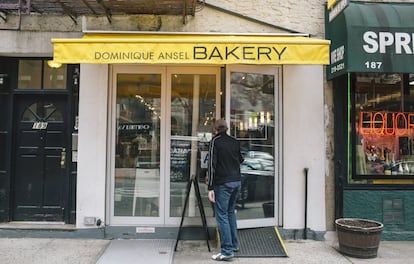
[305, 235]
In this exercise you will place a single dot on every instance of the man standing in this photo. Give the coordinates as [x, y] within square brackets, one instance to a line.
[224, 183]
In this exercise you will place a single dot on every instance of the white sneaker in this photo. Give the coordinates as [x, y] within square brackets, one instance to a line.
[220, 257]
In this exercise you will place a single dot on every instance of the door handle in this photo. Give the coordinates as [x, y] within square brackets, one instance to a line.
[63, 158]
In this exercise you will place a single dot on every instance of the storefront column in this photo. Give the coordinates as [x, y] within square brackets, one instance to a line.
[303, 146]
[92, 150]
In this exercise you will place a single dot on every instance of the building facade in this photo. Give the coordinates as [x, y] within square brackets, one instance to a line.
[372, 76]
[107, 139]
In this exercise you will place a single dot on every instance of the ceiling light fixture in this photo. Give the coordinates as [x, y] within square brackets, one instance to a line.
[53, 64]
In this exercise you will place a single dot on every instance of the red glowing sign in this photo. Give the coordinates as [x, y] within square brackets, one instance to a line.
[386, 123]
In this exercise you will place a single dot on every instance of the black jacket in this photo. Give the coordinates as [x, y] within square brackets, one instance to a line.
[224, 158]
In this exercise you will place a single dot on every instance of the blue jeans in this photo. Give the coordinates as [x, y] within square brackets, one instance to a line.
[225, 207]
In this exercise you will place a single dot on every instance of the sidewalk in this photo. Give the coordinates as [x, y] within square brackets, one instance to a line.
[305, 252]
[88, 251]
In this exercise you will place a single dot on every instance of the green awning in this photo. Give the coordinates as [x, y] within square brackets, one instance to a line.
[371, 37]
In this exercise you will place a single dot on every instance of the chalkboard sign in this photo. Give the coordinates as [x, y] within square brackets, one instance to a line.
[180, 160]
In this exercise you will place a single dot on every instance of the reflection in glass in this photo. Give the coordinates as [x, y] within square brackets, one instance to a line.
[54, 78]
[30, 74]
[31, 113]
[384, 124]
[252, 122]
[137, 153]
[52, 114]
[42, 111]
[193, 99]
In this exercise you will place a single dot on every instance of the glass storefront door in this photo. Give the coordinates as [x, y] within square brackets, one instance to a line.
[193, 109]
[138, 182]
[252, 110]
[163, 122]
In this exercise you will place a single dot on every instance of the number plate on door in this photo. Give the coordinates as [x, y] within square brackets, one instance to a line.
[39, 125]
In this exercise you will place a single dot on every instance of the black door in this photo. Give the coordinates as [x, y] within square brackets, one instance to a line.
[41, 140]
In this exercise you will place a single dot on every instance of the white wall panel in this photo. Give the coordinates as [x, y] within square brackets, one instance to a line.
[91, 179]
[304, 146]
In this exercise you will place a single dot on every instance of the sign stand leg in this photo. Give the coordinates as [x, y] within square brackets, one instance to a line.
[194, 181]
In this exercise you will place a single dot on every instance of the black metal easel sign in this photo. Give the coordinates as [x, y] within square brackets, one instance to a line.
[193, 180]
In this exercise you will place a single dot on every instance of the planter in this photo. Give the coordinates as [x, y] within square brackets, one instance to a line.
[359, 237]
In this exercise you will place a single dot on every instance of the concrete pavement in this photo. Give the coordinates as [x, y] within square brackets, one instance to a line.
[305, 252]
[88, 251]
[50, 250]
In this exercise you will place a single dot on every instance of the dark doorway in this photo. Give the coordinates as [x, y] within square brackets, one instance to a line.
[41, 145]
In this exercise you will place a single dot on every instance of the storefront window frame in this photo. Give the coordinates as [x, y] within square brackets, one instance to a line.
[35, 74]
[276, 71]
[368, 179]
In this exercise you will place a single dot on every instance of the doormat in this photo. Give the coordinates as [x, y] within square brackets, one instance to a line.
[260, 242]
[159, 251]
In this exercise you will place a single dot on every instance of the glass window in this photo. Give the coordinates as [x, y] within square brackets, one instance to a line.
[137, 157]
[54, 78]
[383, 126]
[31, 113]
[42, 113]
[193, 105]
[252, 110]
[52, 114]
[37, 74]
[30, 74]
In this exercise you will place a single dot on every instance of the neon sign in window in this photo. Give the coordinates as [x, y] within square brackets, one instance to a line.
[383, 133]
[386, 123]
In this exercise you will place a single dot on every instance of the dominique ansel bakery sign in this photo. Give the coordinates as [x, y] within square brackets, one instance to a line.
[192, 49]
[199, 53]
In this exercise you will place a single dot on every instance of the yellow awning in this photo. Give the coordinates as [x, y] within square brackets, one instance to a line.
[191, 49]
